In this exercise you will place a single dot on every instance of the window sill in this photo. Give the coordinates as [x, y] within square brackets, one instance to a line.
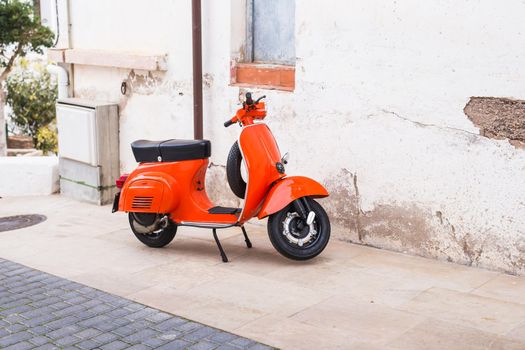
[107, 58]
[264, 76]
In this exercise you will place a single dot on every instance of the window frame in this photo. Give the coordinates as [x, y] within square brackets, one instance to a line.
[246, 73]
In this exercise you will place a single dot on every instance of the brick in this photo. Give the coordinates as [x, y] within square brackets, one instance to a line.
[93, 321]
[63, 322]
[141, 314]
[16, 327]
[105, 338]
[260, 347]
[47, 347]
[39, 340]
[138, 347]
[87, 344]
[155, 342]
[116, 345]
[140, 336]
[189, 326]
[87, 333]
[20, 346]
[172, 323]
[203, 345]
[124, 331]
[175, 345]
[14, 338]
[68, 340]
[242, 342]
[62, 332]
[223, 337]
[158, 317]
[227, 347]
[200, 333]
[134, 307]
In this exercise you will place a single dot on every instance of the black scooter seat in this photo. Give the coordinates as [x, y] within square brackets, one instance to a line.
[170, 150]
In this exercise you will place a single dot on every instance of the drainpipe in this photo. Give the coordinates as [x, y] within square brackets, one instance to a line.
[197, 68]
[62, 80]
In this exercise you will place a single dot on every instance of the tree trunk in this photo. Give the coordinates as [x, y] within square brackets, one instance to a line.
[3, 136]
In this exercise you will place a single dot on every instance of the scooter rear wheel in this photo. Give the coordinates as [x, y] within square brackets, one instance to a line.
[148, 232]
[294, 238]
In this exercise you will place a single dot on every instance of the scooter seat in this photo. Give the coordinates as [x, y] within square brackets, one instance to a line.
[170, 150]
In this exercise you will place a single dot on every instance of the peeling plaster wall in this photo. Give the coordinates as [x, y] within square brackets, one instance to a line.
[377, 114]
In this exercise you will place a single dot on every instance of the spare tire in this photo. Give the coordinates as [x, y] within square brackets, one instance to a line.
[233, 171]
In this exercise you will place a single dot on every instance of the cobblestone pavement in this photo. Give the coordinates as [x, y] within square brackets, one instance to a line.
[42, 311]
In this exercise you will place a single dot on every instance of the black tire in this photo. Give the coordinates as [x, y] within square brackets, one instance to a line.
[233, 171]
[313, 247]
[155, 239]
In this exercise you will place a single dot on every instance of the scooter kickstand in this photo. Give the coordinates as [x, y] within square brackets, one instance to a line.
[223, 254]
[246, 239]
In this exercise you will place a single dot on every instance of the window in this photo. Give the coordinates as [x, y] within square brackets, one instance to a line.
[270, 27]
[269, 54]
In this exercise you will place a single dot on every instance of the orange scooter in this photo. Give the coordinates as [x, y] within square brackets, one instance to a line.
[167, 190]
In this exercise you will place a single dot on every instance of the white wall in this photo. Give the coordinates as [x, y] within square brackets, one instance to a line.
[378, 107]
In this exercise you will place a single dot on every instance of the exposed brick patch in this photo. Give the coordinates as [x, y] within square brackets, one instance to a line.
[498, 118]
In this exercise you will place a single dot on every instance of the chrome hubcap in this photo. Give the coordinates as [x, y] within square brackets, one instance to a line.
[295, 236]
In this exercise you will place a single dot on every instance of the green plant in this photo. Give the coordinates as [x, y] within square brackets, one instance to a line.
[31, 93]
[47, 139]
[20, 33]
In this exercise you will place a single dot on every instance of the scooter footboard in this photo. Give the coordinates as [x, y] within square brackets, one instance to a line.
[288, 189]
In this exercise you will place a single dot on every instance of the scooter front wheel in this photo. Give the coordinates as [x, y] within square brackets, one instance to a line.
[293, 237]
[149, 230]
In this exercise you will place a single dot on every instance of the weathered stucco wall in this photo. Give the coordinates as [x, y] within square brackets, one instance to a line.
[377, 114]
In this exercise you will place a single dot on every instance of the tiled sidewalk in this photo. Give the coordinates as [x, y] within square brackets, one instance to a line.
[42, 311]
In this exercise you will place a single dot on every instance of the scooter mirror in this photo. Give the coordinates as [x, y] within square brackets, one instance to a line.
[284, 159]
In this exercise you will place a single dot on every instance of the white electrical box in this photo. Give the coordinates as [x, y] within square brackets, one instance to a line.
[78, 141]
[88, 133]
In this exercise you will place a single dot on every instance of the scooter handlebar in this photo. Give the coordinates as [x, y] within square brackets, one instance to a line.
[228, 123]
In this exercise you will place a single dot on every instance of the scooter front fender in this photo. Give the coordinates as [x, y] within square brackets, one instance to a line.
[288, 189]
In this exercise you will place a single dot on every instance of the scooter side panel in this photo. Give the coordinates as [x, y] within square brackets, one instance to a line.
[261, 154]
[289, 189]
[183, 193]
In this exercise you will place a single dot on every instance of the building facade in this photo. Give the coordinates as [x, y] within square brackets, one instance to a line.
[408, 112]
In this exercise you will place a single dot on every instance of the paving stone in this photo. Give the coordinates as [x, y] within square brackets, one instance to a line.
[203, 345]
[116, 345]
[222, 337]
[20, 346]
[158, 317]
[87, 344]
[242, 342]
[171, 323]
[40, 340]
[87, 333]
[105, 338]
[138, 347]
[200, 334]
[14, 338]
[41, 311]
[227, 347]
[15, 327]
[62, 332]
[156, 342]
[140, 336]
[175, 345]
[260, 347]
[63, 322]
[68, 340]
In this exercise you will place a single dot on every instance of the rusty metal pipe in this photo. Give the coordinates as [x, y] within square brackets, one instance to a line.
[197, 68]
